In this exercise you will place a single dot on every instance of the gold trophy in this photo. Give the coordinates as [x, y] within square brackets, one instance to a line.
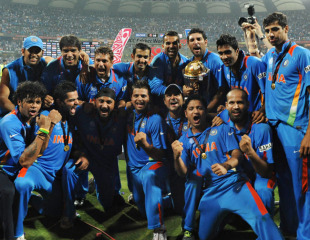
[194, 73]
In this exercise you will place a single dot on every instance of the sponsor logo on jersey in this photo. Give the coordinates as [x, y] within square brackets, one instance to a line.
[213, 132]
[124, 88]
[265, 147]
[307, 69]
[261, 75]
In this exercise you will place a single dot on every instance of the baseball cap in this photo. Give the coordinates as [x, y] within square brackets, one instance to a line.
[33, 41]
[175, 86]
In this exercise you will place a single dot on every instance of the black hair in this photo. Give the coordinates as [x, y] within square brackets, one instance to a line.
[29, 90]
[141, 84]
[141, 46]
[70, 41]
[195, 97]
[276, 17]
[62, 89]
[106, 51]
[227, 39]
[171, 34]
[196, 30]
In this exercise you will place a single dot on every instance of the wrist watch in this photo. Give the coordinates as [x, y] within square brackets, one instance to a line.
[262, 37]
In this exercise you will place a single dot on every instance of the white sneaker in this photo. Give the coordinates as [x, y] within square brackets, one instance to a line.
[22, 237]
[160, 233]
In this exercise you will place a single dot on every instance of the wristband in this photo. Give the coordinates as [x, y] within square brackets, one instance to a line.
[43, 130]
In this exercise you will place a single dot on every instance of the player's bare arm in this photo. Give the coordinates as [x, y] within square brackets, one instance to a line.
[5, 103]
[179, 165]
[33, 150]
[155, 153]
[260, 166]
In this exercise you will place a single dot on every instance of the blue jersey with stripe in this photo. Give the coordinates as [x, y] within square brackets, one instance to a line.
[54, 156]
[88, 91]
[55, 72]
[20, 72]
[154, 128]
[164, 72]
[210, 84]
[252, 77]
[289, 101]
[220, 142]
[101, 143]
[15, 136]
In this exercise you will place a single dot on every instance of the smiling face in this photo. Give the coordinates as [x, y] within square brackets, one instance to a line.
[140, 99]
[103, 65]
[228, 55]
[32, 56]
[104, 105]
[237, 106]
[173, 100]
[141, 59]
[276, 34]
[71, 56]
[29, 108]
[197, 45]
[196, 114]
[171, 46]
[70, 103]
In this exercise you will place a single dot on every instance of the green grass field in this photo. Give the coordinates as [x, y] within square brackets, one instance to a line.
[122, 224]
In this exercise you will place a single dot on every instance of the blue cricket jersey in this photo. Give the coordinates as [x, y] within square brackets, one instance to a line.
[15, 136]
[221, 141]
[54, 156]
[252, 77]
[289, 101]
[87, 92]
[55, 72]
[154, 128]
[165, 74]
[20, 72]
[101, 143]
[210, 84]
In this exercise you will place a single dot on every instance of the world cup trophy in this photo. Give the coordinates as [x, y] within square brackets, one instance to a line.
[194, 74]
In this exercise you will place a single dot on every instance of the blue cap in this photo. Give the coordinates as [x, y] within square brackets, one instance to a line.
[33, 41]
[173, 85]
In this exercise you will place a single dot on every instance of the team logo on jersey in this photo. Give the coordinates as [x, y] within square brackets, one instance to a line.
[143, 124]
[265, 147]
[124, 88]
[261, 75]
[307, 69]
[245, 76]
[213, 132]
[93, 90]
[228, 76]
[185, 128]
[285, 63]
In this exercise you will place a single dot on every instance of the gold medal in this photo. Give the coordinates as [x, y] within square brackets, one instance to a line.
[203, 155]
[66, 148]
[273, 86]
[136, 145]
